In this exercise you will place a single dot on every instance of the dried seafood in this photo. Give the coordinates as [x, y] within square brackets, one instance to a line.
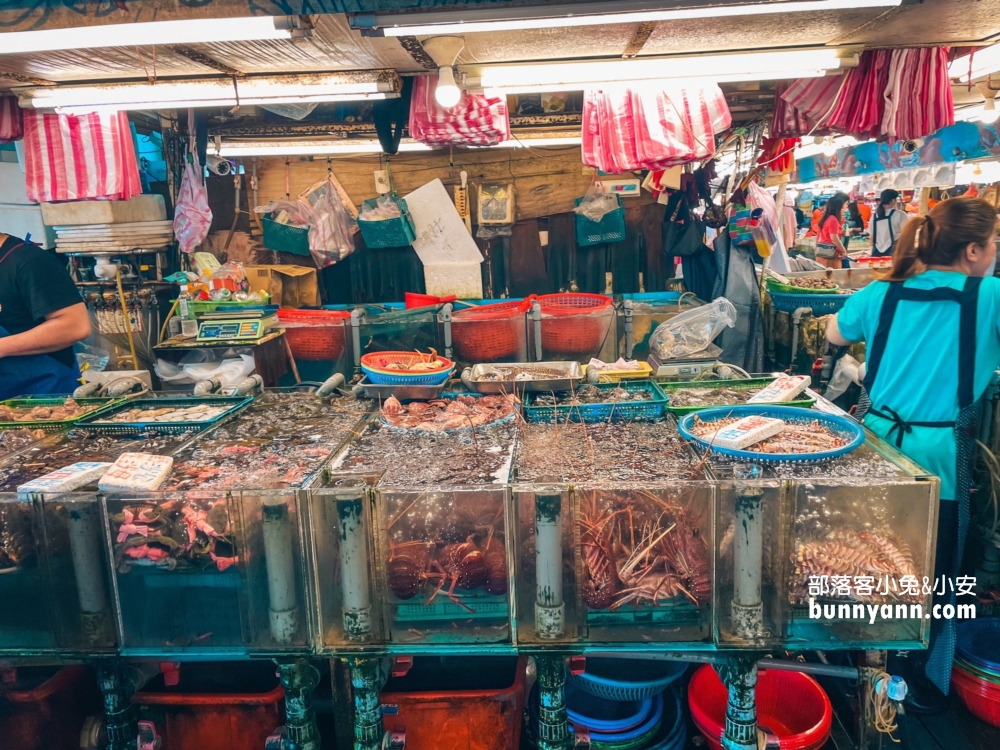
[641, 554]
[174, 535]
[197, 413]
[721, 396]
[591, 394]
[851, 554]
[794, 438]
[447, 414]
[68, 409]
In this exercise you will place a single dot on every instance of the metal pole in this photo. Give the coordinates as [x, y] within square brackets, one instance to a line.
[747, 608]
[120, 721]
[354, 581]
[446, 320]
[368, 729]
[550, 610]
[299, 678]
[536, 316]
[629, 329]
[553, 723]
[739, 674]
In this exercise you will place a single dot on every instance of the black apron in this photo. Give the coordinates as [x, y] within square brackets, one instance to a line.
[34, 374]
[964, 429]
[892, 236]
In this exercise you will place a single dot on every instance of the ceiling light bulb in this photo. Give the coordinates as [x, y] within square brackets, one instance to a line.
[829, 147]
[447, 94]
[989, 114]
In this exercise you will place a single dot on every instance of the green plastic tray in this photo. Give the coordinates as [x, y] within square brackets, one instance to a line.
[58, 425]
[234, 404]
[774, 286]
[679, 411]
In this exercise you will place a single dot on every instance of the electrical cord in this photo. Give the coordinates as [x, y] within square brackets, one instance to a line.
[880, 711]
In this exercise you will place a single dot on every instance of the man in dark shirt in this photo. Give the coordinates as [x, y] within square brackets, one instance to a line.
[41, 317]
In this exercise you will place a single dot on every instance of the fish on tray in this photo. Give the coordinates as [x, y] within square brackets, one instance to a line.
[68, 409]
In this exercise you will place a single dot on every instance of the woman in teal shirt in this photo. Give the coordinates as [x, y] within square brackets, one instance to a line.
[932, 334]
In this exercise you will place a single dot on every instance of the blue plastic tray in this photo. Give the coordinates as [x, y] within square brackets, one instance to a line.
[623, 688]
[846, 426]
[380, 378]
[978, 641]
[615, 411]
[99, 422]
[821, 304]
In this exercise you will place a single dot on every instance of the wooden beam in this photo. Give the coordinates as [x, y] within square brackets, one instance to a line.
[26, 80]
[642, 33]
[202, 59]
[420, 56]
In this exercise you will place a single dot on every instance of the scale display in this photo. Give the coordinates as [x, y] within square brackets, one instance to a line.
[228, 330]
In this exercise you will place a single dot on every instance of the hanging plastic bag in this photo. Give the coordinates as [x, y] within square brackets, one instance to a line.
[330, 237]
[192, 216]
[597, 204]
[693, 330]
[385, 208]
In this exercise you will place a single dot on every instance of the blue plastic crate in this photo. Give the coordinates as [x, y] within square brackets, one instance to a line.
[615, 411]
[284, 238]
[821, 304]
[611, 227]
[399, 232]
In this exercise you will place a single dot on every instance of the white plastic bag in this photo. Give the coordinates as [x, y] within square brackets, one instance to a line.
[192, 216]
[227, 371]
[330, 237]
[693, 330]
[597, 204]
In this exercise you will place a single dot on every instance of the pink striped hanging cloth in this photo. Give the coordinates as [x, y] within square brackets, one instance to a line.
[477, 120]
[69, 157]
[11, 120]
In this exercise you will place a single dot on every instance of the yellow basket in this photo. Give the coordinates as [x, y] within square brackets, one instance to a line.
[614, 376]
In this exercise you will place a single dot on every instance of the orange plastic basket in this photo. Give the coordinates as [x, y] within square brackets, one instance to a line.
[570, 325]
[490, 333]
[315, 334]
[379, 362]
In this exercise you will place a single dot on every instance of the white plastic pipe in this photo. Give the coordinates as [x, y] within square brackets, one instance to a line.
[280, 561]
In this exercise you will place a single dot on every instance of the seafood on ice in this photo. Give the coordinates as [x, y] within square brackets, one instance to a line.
[721, 396]
[591, 394]
[447, 414]
[197, 413]
[794, 437]
[174, 535]
[68, 409]
[880, 558]
[641, 553]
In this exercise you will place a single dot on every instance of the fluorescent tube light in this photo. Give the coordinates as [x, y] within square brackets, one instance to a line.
[569, 76]
[235, 149]
[192, 31]
[580, 14]
[984, 62]
[215, 92]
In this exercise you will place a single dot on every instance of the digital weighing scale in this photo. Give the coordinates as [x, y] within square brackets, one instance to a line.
[234, 326]
[687, 368]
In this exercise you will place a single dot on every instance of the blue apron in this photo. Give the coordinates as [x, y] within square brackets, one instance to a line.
[34, 374]
[942, 647]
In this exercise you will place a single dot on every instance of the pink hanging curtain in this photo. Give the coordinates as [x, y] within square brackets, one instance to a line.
[69, 157]
[11, 120]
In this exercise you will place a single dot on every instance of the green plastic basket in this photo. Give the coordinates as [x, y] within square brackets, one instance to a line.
[55, 426]
[775, 286]
[284, 238]
[804, 401]
[388, 232]
[611, 227]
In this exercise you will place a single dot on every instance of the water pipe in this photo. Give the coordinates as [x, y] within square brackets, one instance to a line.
[629, 332]
[299, 679]
[249, 385]
[206, 387]
[121, 386]
[330, 385]
[445, 314]
[121, 725]
[550, 610]
[87, 389]
[796, 322]
[356, 314]
[553, 721]
[747, 607]
[280, 563]
[85, 542]
[536, 316]
[354, 580]
[368, 728]
[739, 675]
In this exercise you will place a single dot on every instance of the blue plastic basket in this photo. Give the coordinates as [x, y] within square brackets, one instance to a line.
[846, 426]
[606, 717]
[399, 232]
[631, 738]
[380, 378]
[672, 735]
[820, 304]
[284, 238]
[979, 642]
[615, 679]
[611, 227]
[615, 411]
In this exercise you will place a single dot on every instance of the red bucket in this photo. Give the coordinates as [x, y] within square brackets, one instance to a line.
[315, 334]
[490, 333]
[980, 696]
[791, 705]
[574, 323]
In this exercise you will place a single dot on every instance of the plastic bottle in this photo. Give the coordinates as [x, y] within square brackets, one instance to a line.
[185, 311]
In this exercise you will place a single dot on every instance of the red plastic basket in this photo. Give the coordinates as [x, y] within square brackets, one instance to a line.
[51, 714]
[315, 334]
[490, 333]
[980, 696]
[791, 705]
[379, 361]
[570, 325]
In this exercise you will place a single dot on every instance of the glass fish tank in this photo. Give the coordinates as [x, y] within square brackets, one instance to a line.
[208, 572]
[443, 564]
[343, 576]
[54, 576]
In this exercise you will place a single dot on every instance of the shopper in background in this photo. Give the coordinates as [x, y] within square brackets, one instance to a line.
[41, 316]
[887, 224]
[855, 224]
[866, 212]
[830, 250]
[817, 217]
[932, 334]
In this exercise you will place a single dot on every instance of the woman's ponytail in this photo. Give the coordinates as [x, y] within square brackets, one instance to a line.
[906, 257]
